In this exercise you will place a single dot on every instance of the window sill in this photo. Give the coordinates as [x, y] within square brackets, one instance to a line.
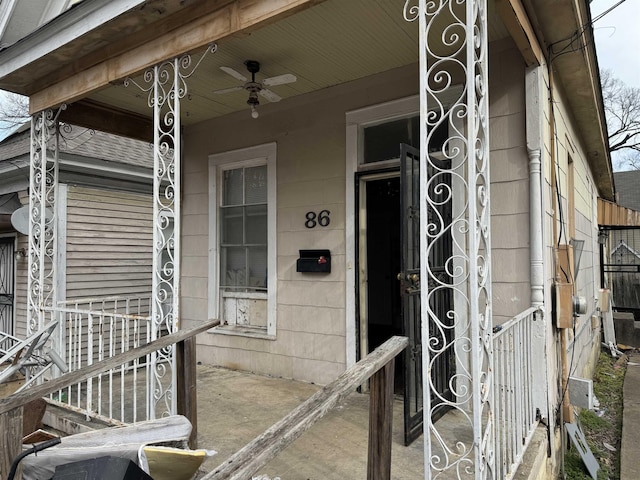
[242, 331]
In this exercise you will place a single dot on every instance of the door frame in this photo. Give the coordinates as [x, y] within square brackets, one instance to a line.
[355, 122]
[361, 180]
[13, 238]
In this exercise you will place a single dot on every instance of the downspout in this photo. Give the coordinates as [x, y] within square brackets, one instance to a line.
[534, 98]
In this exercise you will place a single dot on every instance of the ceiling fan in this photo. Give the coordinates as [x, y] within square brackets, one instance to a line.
[256, 88]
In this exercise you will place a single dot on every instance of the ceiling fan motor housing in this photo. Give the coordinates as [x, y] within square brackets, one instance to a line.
[253, 66]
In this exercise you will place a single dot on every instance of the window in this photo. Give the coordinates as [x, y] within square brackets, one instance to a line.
[243, 229]
[242, 240]
[382, 140]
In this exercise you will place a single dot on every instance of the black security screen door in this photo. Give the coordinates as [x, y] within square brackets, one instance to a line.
[440, 299]
[6, 285]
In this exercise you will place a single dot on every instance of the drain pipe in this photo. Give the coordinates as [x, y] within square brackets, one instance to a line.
[535, 100]
[535, 228]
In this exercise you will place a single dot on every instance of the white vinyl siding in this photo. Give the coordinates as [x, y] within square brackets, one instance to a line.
[108, 243]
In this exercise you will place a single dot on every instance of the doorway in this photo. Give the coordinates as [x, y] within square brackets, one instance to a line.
[7, 285]
[380, 264]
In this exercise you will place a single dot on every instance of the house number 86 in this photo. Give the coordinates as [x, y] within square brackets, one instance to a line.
[314, 219]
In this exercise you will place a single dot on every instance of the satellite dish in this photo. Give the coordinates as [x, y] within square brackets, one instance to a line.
[20, 219]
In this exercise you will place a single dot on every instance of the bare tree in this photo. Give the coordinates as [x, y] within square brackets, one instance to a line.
[14, 110]
[622, 108]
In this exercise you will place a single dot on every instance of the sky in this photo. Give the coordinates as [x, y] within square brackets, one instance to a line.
[618, 38]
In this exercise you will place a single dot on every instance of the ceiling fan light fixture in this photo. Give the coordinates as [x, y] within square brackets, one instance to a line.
[253, 102]
[254, 87]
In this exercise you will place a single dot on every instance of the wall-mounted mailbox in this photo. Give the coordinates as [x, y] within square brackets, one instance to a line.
[314, 261]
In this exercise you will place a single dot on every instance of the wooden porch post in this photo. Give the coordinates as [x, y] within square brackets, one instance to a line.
[11, 428]
[380, 423]
[187, 390]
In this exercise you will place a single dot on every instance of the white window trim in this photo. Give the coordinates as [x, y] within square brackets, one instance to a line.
[245, 157]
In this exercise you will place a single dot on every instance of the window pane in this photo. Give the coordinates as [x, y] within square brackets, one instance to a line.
[382, 142]
[232, 187]
[233, 267]
[257, 267]
[256, 185]
[256, 225]
[232, 225]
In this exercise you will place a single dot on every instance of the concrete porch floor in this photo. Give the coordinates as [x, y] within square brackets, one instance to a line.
[235, 407]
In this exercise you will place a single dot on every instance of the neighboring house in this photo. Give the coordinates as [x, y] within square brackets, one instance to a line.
[300, 224]
[627, 188]
[17, 19]
[104, 211]
[622, 246]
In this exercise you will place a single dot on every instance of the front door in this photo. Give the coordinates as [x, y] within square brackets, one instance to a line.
[440, 304]
[409, 277]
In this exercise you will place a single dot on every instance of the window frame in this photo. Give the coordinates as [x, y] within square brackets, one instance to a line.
[264, 154]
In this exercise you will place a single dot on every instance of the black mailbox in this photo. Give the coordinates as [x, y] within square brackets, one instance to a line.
[314, 261]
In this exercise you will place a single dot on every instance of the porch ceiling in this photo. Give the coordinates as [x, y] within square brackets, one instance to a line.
[333, 42]
[322, 42]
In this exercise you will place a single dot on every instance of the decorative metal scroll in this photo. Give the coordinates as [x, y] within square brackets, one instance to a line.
[453, 55]
[43, 187]
[166, 85]
[42, 215]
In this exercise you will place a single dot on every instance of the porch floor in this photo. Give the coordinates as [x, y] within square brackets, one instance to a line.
[235, 407]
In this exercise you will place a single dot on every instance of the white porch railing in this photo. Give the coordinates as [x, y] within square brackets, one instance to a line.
[515, 412]
[92, 330]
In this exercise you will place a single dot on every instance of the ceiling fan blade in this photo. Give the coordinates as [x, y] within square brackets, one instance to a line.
[227, 90]
[233, 73]
[279, 80]
[269, 95]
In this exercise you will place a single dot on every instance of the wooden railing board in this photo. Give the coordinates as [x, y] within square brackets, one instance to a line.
[257, 453]
[11, 407]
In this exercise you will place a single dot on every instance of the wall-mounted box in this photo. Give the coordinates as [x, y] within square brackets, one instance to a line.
[314, 261]
[565, 263]
[564, 305]
[581, 392]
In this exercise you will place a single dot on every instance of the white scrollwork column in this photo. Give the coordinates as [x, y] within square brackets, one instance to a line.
[455, 218]
[166, 87]
[43, 188]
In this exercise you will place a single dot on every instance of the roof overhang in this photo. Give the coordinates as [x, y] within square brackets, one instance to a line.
[83, 55]
[568, 37]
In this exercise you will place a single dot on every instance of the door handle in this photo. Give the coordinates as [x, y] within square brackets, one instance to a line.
[413, 277]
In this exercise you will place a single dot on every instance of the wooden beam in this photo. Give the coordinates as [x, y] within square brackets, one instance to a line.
[187, 389]
[517, 22]
[11, 428]
[381, 423]
[253, 456]
[241, 15]
[22, 398]
[104, 118]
